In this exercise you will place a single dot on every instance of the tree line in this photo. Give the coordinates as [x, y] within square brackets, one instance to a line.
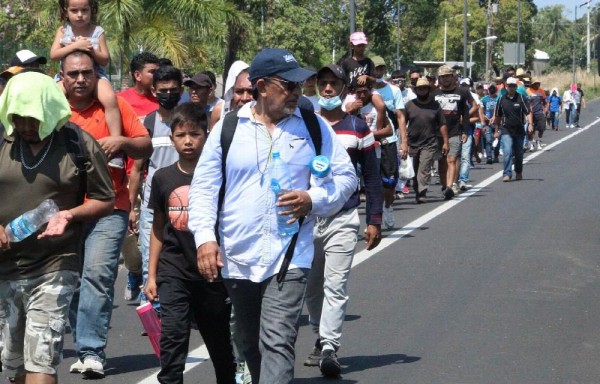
[211, 34]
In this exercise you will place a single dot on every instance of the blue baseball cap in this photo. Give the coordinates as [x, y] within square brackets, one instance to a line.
[277, 62]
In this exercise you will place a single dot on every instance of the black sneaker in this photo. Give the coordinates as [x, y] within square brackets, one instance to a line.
[448, 193]
[489, 160]
[329, 365]
[313, 359]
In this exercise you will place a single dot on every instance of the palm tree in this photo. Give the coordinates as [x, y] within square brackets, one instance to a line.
[551, 24]
[181, 30]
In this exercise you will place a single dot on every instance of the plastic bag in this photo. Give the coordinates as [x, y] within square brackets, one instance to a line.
[406, 168]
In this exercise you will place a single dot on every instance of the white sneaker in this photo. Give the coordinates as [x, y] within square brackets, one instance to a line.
[539, 145]
[464, 186]
[455, 188]
[92, 369]
[76, 367]
[388, 217]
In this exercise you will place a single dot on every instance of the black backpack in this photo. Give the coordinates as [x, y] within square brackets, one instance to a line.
[149, 122]
[230, 122]
[73, 136]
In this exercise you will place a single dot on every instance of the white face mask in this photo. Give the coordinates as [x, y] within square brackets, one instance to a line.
[330, 103]
[380, 80]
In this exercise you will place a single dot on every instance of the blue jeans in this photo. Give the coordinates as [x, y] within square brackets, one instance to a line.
[570, 113]
[92, 304]
[488, 139]
[512, 145]
[574, 119]
[555, 118]
[144, 227]
[465, 160]
[269, 316]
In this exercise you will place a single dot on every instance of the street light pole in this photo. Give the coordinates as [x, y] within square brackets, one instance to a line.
[446, 34]
[487, 38]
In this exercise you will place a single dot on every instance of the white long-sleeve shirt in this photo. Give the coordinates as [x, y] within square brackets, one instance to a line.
[250, 243]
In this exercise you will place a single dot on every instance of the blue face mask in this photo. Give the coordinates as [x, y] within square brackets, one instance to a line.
[330, 103]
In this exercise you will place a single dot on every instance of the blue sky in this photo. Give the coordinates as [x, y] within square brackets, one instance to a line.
[569, 7]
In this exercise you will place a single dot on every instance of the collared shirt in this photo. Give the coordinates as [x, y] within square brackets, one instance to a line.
[92, 120]
[247, 226]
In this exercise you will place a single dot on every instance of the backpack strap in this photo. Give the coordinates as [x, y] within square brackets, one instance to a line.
[230, 122]
[149, 122]
[75, 144]
[314, 128]
[1, 135]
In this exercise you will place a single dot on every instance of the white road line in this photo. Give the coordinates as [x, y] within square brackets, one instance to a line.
[200, 354]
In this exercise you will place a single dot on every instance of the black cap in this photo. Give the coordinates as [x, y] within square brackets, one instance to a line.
[335, 69]
[199, 79]
[26, 57]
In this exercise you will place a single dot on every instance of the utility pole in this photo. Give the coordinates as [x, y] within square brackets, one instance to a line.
[574, 42]
[398, 37]
[588, 51]
[445, 38]
[488, 43]
[518, 33]
[352, 16]
[465, 38]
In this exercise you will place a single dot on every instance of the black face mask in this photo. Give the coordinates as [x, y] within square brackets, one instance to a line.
[168, 100]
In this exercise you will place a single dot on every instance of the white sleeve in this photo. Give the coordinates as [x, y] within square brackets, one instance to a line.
[330, 197]
[204, 190]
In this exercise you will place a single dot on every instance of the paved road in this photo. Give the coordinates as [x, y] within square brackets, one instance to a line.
[499, 286]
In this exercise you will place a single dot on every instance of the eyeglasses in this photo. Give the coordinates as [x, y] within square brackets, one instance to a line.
[290, 86]
[396, 81]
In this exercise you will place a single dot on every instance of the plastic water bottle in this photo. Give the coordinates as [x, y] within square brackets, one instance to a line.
[282, 183]
[151, 324]
[29, 222]
[320, 170]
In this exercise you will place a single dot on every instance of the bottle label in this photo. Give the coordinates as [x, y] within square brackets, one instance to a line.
[19, 228]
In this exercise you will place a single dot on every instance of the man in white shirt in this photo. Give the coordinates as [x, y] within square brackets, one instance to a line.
[251, 251]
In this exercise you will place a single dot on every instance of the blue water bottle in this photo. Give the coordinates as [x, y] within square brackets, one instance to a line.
[320, 170]
[282, 183]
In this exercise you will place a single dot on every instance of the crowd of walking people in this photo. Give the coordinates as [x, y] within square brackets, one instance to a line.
[188, 175]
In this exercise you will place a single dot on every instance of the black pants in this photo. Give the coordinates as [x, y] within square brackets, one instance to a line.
[207, 303]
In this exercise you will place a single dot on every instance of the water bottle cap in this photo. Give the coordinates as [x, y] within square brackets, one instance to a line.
[319, 166]
[144, 308]
[276, 154]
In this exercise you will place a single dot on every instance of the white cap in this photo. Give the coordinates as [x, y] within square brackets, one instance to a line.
[511, 80]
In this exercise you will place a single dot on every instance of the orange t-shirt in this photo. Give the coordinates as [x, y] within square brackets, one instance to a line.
[92, 120]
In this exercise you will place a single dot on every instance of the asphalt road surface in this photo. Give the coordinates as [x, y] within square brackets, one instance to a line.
[500, 285]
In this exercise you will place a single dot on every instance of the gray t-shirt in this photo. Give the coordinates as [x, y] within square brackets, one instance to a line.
[164, 154]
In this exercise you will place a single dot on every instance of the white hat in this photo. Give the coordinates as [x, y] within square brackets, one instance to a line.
[511, 80]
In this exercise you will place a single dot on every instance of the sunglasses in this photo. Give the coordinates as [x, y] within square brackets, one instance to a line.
[288, 85]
